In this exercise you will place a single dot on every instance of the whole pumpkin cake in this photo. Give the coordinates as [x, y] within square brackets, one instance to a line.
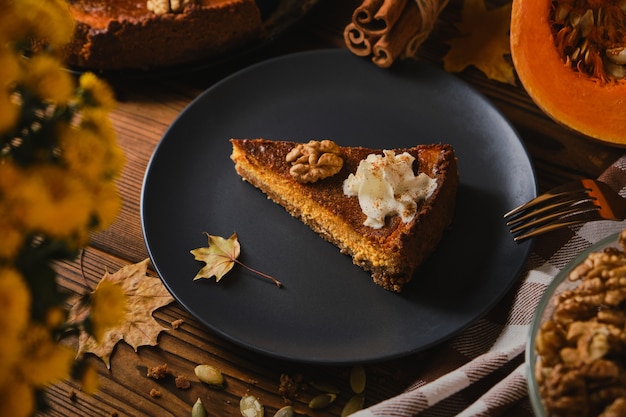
[144, 34]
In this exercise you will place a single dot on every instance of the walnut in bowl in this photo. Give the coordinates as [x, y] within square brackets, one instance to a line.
[576, 353]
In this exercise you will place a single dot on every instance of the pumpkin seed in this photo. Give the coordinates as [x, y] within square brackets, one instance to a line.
[353, 405]
[617, 71]
[617, 55]
[581, 49]
[357, 379]
[586, 23]
[324, 387]
[250, 406]
[322, 400]
[562, 11]
[286, 411]
[198, 409]
[210, 375]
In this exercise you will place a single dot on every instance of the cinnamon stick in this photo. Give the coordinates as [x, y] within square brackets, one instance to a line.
[392, 45]
[377, 17]
[364, 14]
[356, 40]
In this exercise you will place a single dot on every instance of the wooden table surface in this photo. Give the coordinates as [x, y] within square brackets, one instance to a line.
[147, 107]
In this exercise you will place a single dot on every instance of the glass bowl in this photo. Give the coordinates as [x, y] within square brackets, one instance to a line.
[544, 311]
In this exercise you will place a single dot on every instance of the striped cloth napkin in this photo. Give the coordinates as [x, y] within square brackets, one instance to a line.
[481, 372]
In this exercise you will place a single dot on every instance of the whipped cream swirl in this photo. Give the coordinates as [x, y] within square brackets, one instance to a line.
[386, 186]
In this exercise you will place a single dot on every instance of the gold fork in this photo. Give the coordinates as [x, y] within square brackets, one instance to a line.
[573, 203]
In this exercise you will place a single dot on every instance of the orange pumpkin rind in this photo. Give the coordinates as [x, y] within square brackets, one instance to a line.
[595, 109]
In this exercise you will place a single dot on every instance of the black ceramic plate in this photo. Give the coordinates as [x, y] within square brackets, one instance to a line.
[329, 310]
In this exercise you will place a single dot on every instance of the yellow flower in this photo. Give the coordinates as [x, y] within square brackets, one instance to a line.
[43, 360]
[12, 237]
[48, 20]
[19, 193]
[8, 112]
[15, 309]
[8, 74]
[55, 317]
[10, 226]
[96, 92]
[89, 379]
[64, 197]
[17, 400]
[109, 204]
[84, 152]
[60, 206]
[108, 307]
[46, 77]
[98, 121]
[14, 302]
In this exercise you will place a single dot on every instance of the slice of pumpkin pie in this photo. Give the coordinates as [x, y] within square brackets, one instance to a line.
[387, 209]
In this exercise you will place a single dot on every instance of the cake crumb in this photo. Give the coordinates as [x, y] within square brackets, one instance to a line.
[182, 382]
[176, 323]
[289, 387]
[155, 393]
[72, 395]
[158, 372]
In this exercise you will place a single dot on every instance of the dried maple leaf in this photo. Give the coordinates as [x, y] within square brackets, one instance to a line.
[143, 295]
[484, 41]
[220, 257]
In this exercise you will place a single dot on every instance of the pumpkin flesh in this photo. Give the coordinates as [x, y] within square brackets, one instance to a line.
[584, 97]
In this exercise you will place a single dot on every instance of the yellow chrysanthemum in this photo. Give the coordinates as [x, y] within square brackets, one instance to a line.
[109, 204]
[61, 205]
[17, 400]
[44, 361]
[115, 161]
[98, 121]
[96, 92]
[8, 74]
[10, 224]
[19, 192]
[14, 302]
[47, 20]
[13, 27]
[8, 112]
[89, 380]
[46, 77]
[107, 307]
[84, 152]
[9, 176]
[12, 237]
[55, 317]
[14, 307]
[62, 199]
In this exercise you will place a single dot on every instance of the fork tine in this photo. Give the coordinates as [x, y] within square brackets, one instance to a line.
[572, 220]
[573, 203]
[543, 211]
[552, 197]
[568, 214]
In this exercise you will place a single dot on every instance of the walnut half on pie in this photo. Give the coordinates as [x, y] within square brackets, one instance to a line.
[392, 252]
